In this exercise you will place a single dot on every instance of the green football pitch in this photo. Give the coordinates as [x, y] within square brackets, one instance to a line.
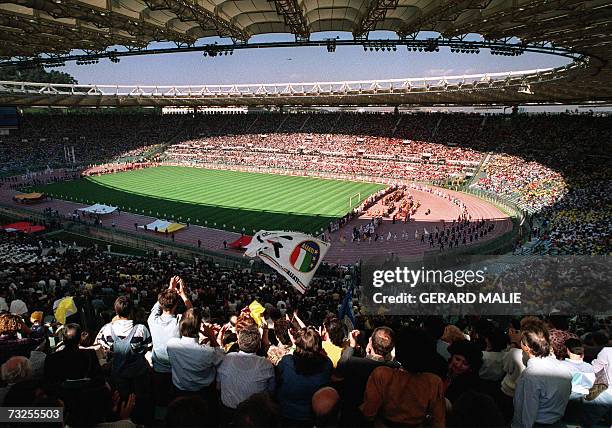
[220, 199]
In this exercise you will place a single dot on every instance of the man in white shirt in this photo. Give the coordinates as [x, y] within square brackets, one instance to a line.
[543, 389]
[164, 325]
[583, 374]
[243, 373]
[194, 365]
[599, 410]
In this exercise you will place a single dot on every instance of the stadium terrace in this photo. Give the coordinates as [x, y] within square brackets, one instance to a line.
[103, 291]
[213, 268]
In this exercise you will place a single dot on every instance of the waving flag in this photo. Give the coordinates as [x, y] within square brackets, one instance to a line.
[63, 308]
[255, 311]
[294, 255]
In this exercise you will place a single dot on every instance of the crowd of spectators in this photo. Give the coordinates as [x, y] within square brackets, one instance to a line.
[556, 166]
[111, 168]
[335, 153]
[531, 184]
[162, 341]
[48, 140]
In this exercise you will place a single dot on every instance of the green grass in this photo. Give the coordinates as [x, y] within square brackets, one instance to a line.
[234, 199]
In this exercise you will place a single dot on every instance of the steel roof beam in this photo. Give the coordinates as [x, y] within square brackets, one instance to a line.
[517, 14]
[376, 12]
[446, 11]
[294, 18]
[107, 19]
[187, 11]
[64, 38]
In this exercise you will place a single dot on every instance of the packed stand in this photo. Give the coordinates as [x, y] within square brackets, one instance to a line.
[329, 153]
[42, 139]
[553, 166]
[160, 341]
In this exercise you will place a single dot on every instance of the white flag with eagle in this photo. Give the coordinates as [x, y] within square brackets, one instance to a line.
[294, 255]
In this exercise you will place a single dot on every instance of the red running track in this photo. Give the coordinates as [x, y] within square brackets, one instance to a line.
[342, 251]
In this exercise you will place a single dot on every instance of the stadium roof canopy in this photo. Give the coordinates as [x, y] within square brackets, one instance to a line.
[53, 28]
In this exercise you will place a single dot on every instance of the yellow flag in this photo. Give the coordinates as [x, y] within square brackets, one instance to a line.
[256, 312]
[64, 309]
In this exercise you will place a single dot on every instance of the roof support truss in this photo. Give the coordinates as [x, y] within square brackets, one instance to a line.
[294, 18]
[54, 36]
[446, 11]
[186, 10]
[521, 14]
[376, 12]
[106, 18]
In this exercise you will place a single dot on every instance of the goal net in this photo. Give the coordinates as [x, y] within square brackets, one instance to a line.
[354, 200]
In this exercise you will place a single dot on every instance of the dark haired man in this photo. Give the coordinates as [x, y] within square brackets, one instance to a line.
[333, 339]
[244, 373]
[187, 412]
[122, 326]
[194, 365]
[583, 373]
[463, 367]
[164, 325]
[128, 343]
[544, 387]
[353, 372]
[71, 362]
[409, 395]
[259, 410]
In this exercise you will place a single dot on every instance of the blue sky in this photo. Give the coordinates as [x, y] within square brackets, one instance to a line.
[297, 65]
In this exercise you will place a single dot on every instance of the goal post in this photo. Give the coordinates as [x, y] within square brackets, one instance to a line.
[354, 200]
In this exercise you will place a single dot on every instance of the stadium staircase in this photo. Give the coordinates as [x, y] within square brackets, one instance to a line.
[182, 132]
[433, 134]
[482, 124]
[305, 122]
[479, 173]
[397, 123]
[248, 130]
[331, 131]
[281, 124]
[536, 246]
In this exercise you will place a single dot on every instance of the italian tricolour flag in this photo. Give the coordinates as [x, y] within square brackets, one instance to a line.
[294, 255]
[301, 257]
